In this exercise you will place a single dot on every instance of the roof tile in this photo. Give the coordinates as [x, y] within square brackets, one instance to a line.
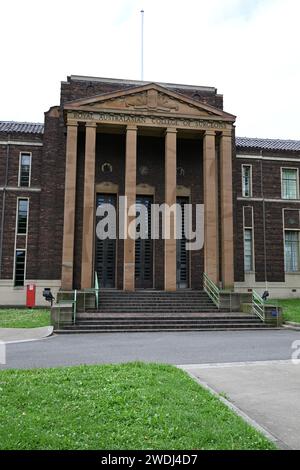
[268, 144]
[22, 127]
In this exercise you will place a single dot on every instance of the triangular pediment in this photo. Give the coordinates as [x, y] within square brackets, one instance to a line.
[149, 99]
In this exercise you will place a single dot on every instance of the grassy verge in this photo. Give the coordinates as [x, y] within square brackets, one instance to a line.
[24, 318]
[291, 308]
[129, 406]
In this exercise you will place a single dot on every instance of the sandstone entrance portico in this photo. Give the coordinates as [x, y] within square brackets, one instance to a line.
[142, 141]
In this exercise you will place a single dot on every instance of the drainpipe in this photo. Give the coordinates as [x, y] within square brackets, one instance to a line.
[3, 202]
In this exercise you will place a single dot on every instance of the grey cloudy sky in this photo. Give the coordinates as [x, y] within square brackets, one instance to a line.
[248, 49]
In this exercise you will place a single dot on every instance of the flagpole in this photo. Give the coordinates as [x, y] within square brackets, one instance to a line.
[142, 45]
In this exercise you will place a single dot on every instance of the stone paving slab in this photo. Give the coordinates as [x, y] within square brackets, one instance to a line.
[268, 392]
[16, 335]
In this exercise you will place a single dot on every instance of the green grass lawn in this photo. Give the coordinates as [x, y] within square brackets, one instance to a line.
[24, 318]
[129, 406]
[291, 308]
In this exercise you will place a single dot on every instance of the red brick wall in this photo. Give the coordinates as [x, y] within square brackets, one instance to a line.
[269, 186]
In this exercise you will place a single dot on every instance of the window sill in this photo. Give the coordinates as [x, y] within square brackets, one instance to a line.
[290, 198]
[295, 273]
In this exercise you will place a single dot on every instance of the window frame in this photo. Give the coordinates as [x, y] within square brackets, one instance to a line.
[17, 217]
[25, 267]
[246, 271]
[297, 182]
[247, 227]
[250, 186]
[285, 260]
[20, 169]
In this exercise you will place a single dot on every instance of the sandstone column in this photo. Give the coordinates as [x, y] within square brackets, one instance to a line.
[226, 210]
[69, 207]
[88, 207]
[211, 252]
[170, 199]
[130, 193]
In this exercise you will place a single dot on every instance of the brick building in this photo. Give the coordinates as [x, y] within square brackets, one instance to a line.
[152, 143]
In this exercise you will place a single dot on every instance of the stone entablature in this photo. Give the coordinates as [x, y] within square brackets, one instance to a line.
[150, 106]
[147, 121]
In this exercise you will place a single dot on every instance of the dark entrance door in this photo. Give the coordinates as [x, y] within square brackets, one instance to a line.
[144, 248]
[182, 255]
[105, 252]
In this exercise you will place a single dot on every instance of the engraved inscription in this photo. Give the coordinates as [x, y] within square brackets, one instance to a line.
[118, 118]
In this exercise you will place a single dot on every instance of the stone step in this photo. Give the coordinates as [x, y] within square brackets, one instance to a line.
[153, 297]
[154, 302]
[166, 319]
[154, 294]
[154, 315]
[164, 328]
[162, 312]
[147, 325]
[183, 316]
[156, 307]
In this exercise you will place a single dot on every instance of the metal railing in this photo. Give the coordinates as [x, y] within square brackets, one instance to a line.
[72, 300]
[258, 306]
[92, 290]
[211, 289]
[97, 288]
[73, 297]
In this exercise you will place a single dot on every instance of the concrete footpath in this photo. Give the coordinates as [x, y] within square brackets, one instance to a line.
[20, 335]
[267, 392]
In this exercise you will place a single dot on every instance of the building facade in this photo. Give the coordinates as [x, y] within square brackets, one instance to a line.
[153, 143]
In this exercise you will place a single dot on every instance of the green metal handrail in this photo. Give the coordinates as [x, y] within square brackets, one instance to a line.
[258, 306]
[97, 289]
[74, 297]
[72, 301]
[211, 289]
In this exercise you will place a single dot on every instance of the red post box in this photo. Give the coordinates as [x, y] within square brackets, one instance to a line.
[30, 296]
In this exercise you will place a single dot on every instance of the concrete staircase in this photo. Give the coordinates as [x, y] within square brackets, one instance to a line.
[146, 311]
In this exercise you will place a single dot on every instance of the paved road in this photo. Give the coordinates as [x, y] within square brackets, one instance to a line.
[267, 392]
[172, 348]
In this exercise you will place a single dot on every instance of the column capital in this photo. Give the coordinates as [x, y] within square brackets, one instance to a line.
[226, 133]
[131, 127]
[209, 132]
[171, 130]
[72, 122]
[90, 124]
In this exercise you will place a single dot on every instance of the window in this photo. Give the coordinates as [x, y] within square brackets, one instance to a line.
[292, 251]
[22, 216]
[248, 250]
[20, 268]
[290, 187]
[247, 180]
[25, 169]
